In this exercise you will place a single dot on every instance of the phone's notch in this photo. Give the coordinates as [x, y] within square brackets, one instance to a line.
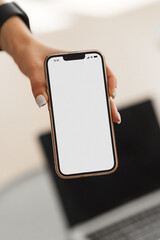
[74, 56]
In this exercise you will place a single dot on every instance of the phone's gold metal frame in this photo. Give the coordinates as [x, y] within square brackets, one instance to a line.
[52, 122]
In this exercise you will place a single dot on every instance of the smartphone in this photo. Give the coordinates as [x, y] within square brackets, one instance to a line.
[81, 123]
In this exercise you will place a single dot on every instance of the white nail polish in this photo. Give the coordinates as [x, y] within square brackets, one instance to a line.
[40, 100]
[114, 92]
[119, 117]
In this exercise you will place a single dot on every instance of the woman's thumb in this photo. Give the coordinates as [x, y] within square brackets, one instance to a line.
[40, 100]
[39, 92]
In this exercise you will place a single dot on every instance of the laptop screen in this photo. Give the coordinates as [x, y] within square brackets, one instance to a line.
[138, 146]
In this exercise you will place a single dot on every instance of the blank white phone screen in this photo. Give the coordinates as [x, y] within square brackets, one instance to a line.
[80, 112]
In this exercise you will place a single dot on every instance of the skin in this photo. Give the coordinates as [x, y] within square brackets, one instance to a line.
[29, 54]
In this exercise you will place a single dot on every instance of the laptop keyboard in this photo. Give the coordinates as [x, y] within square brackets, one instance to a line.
[142, 226]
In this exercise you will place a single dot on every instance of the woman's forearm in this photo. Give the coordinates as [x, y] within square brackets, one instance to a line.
[14, 35]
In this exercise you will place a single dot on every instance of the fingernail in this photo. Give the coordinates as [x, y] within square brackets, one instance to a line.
[119, 117]
[114, 93]
[40, 100]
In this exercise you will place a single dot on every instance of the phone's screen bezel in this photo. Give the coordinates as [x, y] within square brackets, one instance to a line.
[54, 141]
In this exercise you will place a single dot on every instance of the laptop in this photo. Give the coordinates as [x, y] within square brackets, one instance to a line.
[125, 204]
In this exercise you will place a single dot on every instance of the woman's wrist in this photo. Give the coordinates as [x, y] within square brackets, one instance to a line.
[1, 2]
[14, 36]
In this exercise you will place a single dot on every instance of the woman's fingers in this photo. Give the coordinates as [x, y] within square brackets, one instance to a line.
[115, 114]
[112, 86]
[112, 82]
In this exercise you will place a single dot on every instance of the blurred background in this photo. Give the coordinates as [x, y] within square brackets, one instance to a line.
[128, 34]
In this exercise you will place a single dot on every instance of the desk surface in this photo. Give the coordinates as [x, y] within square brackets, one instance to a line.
[29, 209]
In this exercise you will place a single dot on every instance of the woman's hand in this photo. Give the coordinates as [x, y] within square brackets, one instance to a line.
[31, 63]
[29, 54]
